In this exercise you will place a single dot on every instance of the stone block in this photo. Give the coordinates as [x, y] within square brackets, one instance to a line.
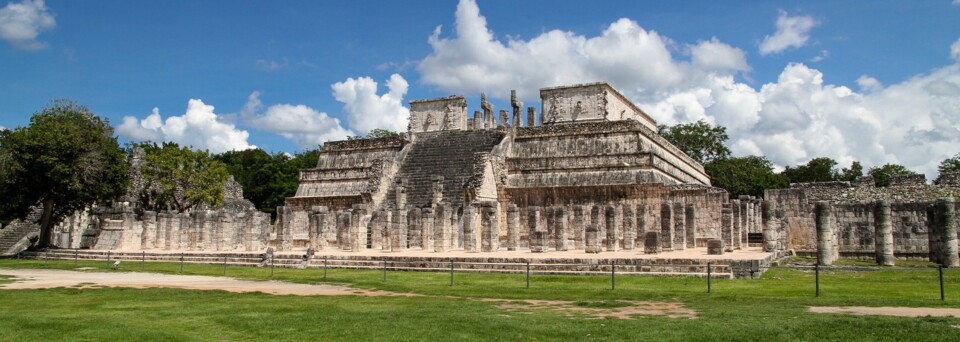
[715, 247]
[651, 243]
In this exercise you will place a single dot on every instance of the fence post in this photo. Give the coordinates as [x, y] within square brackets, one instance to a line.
[940, 269]
[528, 274]
[224, 265]
[143, 260]
[816, 269]
[181, 262]
[384, 270]
[613, 275]
[451, 272]
[76, 252]
[709, 271]
[271, 265]
[324, 267]
[108, 257]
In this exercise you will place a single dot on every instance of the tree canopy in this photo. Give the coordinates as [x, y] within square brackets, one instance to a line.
[701, 141]
[882, 175]
[950, 165]
[816, 170]
[64, 161]
[851, 174]
[179, 178]
[268, 180]
[749, 175]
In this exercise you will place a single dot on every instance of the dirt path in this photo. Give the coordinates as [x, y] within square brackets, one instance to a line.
[887, 311]
[599, 310]
[45, 279]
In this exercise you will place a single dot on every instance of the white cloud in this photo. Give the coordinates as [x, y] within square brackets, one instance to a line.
[21, 23]
[272, 65]
[823, 55]
[2, 128]
[302, 124]
[366, 110]
[198, 127]
[955, 49]
[956, 2]
[796, 118]
[792, 32]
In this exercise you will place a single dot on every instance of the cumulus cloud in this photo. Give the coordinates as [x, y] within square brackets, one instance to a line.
[21, 23]
[366, 110]
[199, 127]
[955, 49]
[304, 125]
[792, 32]
[790, 120]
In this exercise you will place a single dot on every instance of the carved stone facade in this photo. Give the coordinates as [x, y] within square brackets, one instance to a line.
[591, 176]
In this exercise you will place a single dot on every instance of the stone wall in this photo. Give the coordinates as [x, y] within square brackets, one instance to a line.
[909, 196]
[442, 114]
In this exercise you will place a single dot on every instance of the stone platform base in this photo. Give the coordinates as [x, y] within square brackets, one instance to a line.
[751, 262]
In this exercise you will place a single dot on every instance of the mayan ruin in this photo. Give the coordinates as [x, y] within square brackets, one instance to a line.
[585, 176]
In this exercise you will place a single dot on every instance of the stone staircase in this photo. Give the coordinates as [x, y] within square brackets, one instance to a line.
[15, 237]
[448, 154]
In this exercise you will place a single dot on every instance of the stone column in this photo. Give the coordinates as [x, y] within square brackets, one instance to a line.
[769, 220]
[744, 219]
[547, 215]
[477, 122]
[533, 226]
[666, 226]
[946, 216]
[643, 222]
[531, 116]
[490, 227]
[883, 236]
[680, 226]
[726, 227]
[470, 243]
[343, 230]
[827, 251]
[504, 119]
[613, 228]
[593, 239]
[651, 242]
[163, 220]
[323, 226]
[715, 247]
[358, 230]
[377, 223]
[737, 227]
[690, 218]
[442, 227]
[516, 104]
[629, 231]
[513, 227]
[149, 236]
[579, 227]
[426, 229]
[313, 228]
[414, 233]
[560, 224]
[398, 240]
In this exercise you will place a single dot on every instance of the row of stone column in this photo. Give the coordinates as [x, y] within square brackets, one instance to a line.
[942, 233]
[199, 230]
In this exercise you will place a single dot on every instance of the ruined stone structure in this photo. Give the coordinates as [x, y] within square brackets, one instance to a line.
[591, 175]
[909, 219]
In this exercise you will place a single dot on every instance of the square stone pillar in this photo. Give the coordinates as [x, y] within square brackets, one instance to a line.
[680, 226]
[593, 239]
[470, 231]
[163, 231]
[613, 221]
[726, 227]
[579, 227]
[666, 226]
[533, 224]
[629, 231]
[343, 230]
[652, 242]
[513, 227]
[490, 226]
[148, 237]
[735, 208]
[560, 228]
[715, 247]
[426, 229]
[358, 230]
[441, 225]
[398, 238]
[690, 219]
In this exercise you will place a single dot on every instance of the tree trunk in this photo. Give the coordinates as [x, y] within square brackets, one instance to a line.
[46, 224]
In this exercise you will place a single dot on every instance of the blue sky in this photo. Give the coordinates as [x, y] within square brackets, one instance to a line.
[875, 81]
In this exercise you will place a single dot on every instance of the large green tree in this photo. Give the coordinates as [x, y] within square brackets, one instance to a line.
[701, 141]
[950, 165]
[882, 174]
[65, 160]
[816, 170]
[852, 173]
[179, 178]
[749, 175]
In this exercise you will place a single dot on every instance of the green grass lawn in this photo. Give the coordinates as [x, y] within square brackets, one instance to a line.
[771, 308]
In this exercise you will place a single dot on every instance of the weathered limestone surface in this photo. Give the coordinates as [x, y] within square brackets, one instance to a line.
[827, 252]
[946, 218]
[884, 234]
[651, 243]
[715, 247]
